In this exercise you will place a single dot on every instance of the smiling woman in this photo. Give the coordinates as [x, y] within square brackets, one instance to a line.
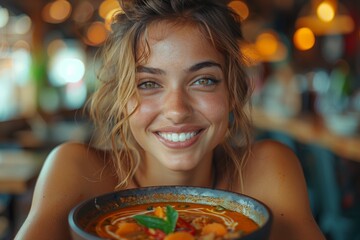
[172, 74]
[182, 93]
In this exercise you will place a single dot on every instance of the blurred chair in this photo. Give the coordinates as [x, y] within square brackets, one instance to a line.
[323, 171]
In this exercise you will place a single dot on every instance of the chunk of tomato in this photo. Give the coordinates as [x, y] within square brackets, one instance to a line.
[184, 226]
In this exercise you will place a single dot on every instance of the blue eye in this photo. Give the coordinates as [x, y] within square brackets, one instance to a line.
[206, 82]
[148, 85]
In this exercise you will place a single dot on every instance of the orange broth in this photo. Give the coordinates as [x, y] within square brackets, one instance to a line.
[108, 225]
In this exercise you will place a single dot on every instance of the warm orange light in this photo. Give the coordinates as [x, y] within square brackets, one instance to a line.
[108, 6]
[96, 33]
[325, 12]
[240, 8]
[267, 44]
[325, 17]
[57, 11]
[304, 39]
[60, 10]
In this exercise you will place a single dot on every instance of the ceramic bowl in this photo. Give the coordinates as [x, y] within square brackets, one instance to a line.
[87, 211]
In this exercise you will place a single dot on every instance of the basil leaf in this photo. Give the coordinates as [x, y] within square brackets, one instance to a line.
[153, 222]
[166, 226]
[172, 217]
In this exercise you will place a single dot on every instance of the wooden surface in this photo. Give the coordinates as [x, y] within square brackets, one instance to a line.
[310, 130]
[18, 169]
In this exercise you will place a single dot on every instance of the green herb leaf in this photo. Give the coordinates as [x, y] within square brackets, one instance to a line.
[166, 226]
[152, 222]
[172, 217]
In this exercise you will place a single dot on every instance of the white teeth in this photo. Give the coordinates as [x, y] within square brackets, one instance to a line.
[177, 137]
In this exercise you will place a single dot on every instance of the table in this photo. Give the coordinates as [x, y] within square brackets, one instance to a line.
[311, 130]
[18, 169]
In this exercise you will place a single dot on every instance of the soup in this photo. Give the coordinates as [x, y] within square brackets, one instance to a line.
[170, 221]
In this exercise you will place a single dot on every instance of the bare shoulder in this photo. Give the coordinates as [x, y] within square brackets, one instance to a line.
[273, 174]
[273, 161]
[71, 173]
[76, 164]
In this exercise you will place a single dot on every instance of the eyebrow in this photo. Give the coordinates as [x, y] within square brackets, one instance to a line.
[206, 64]
[194, 68]
[143, 69]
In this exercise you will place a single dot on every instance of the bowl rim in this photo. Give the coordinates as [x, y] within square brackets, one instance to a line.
[149, 189]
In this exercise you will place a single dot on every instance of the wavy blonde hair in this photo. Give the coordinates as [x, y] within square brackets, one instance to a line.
[119, 58]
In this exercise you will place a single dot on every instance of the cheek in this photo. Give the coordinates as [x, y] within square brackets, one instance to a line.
[143, 115]
[216, 108]
[130, 106]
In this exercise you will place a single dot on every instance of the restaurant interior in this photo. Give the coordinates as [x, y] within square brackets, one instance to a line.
[303, 58]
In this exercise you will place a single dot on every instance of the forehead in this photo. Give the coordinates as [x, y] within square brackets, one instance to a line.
[178, 33]
[159, 30]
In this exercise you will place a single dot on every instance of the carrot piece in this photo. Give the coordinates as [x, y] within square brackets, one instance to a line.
[159, 212]
[217, 228]
[179, 236]
[125, 228]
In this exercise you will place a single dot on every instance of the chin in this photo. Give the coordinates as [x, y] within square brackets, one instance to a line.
[180, 165]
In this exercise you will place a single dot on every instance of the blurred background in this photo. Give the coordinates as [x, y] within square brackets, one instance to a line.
[303, 57]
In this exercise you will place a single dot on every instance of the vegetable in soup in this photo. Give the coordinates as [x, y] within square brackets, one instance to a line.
[172, 221]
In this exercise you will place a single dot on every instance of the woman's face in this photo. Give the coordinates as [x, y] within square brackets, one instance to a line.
[183, 111]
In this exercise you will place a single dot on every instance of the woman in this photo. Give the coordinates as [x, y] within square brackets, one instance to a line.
[172, 75]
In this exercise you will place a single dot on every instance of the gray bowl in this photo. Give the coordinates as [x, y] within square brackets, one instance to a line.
[82, 214]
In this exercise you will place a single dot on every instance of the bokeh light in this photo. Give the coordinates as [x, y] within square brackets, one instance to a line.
[321, 81]
[60, 10]
[325, 11]
[22, 24]
[304, 39]
[240, 8]
[66, 66]
[266, 43]
[66, 70]
[4, 16]
[108, 6]
[57, 11]
[21, 66]
[8, 106]
[96, 33]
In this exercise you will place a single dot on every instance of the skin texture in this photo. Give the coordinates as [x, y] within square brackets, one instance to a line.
[175, 97]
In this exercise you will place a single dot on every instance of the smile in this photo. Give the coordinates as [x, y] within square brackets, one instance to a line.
[178, 137]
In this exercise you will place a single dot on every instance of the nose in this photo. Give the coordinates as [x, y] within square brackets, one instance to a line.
[176, 106]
